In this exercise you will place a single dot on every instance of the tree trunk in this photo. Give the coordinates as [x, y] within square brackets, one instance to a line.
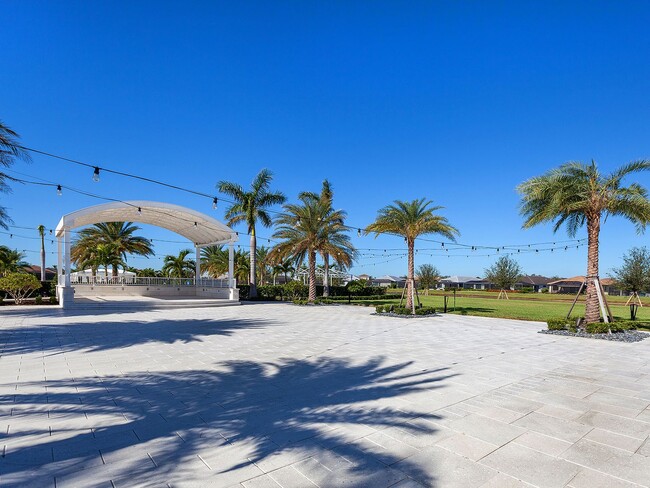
[409, 280]
[42, 258]
[115, 272]
[252, 274]
[592, 308]
[312, 276]
[326, 275]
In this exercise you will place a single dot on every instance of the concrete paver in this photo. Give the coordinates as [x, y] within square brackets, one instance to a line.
[275, 395]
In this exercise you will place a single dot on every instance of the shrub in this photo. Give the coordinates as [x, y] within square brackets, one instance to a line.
[603, 328]
[425, 311]
[2, 299]
[19, 286]
[52, 300]
[557, 324]
[296, 290]
[269, 292]
[402, 311]
[380, 309]
[244, 291]
[38, 300]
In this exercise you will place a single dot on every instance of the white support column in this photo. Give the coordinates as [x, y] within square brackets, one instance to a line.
[66, 239]
[59, 262]
[231, 265]
[197, 277]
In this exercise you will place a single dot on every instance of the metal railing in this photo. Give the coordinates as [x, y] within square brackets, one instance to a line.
[146, 281]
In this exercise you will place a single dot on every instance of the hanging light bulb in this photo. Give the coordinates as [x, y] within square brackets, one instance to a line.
[139, 209]
[214, 203]
[358, 232]
[59, 192]
[298, 223]
[50, 231]
[195, 224]
[96, 174]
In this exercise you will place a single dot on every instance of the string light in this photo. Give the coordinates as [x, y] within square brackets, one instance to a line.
[215, 200]
[96, 174]
[59, 192]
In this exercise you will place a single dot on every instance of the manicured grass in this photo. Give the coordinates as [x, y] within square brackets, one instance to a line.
[539, 307]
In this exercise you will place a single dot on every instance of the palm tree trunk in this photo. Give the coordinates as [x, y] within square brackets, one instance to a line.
[42, 258]
[409, 280]
[592, 310]
[326, 275]
[252, 272]
[115, 271]
[312, 276]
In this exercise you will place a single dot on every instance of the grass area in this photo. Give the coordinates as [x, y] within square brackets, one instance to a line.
[527, 307]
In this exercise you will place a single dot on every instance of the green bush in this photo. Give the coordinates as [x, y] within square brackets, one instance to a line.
[425, 311]
[38, 300]
[296, 290]
[557, 324]
[603, 328]
[270, 292]
[52, 300]
[402, 311]
[380, 309]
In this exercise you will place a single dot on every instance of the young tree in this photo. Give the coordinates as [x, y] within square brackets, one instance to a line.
[411, 220]
[19, 286]
[576, 194]
[504, 273]
[41, 233]
[10, 150]
[251, 207]
[634, 275]
[429, 276]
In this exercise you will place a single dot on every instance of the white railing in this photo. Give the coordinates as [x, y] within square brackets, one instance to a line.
[146, 281]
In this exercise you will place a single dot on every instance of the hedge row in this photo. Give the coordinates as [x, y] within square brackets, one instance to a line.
[594, 328]
[296, 290]
[404, 310]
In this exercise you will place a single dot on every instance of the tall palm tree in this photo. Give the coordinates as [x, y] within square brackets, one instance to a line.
[576, 194]
[179, 266]
[11, 260]
[41, 232]
[119, 234]
[411, 220]
[309, 228]
[106, 255]
[249, 207]
[242, 264]
[214, 260]
[10, 150]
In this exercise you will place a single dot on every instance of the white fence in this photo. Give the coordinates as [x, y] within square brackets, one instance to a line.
[154, 281]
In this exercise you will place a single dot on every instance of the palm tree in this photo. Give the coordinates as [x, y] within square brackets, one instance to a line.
[11, 260]
[214, 260]
[309, 228]
[249, 207]
[576, 194]
[411, 220]
[179, 266]
[262, 261]
[10, 150]
[41, 232]
[285, 267]
[106, 255]
[119, 235]
[242, 266]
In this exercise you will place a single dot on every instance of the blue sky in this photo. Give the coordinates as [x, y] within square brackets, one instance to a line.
[457, 102]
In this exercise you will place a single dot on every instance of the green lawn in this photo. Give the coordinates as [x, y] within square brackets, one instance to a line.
[532, 306]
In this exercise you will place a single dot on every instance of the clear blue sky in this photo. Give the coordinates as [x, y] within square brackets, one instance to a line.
[454, 101]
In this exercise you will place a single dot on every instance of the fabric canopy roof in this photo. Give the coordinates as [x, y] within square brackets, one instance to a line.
[197, 227]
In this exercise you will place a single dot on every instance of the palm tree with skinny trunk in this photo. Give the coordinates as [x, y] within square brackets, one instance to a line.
[310, 228]
[214, 259]
[41, 232]
[10, 150]
[411, 220]
[577, 194]
[250, 207]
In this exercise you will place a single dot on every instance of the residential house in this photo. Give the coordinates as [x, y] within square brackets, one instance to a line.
[572, 285]
[389, 281]
[458, 281]
[536, 282]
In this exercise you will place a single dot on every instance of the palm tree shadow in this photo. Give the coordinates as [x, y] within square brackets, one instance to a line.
[118, 333]
[243, 417]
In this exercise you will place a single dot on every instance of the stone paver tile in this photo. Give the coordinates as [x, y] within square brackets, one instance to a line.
[531, 466]
[435, 466]
[467, 446]
[264, 481]
[560, 412]
[504, 481]
[614, 423]
[543, 443]
[287, 455]
[289, 477]
[619, 400]
[342, 473]
[407, 483]
[26, 478]
[567, 430]
[588, 478]
[385, 449]
[644, 450]
[486, 429]
[631, 444]
[420, 436]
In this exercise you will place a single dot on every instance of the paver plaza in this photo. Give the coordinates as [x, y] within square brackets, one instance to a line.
[275, 395]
